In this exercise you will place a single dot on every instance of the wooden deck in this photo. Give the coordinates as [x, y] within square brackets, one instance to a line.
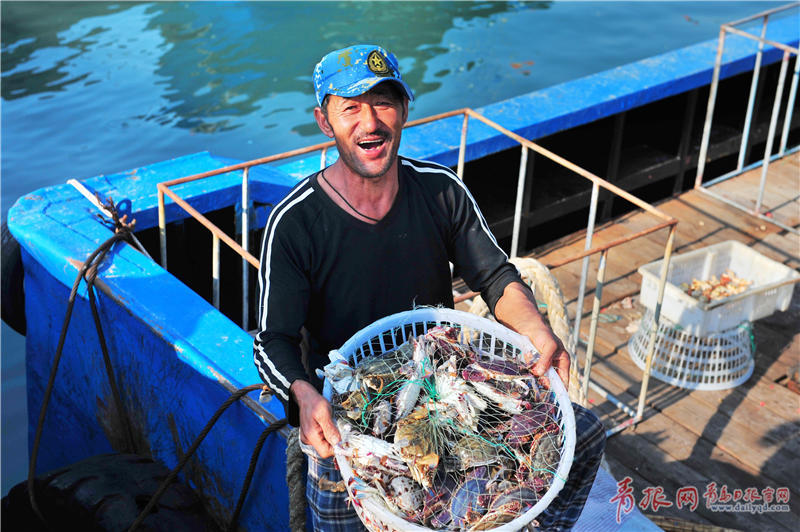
[745, 437]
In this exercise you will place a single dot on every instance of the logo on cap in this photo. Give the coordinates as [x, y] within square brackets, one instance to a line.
[377, 64]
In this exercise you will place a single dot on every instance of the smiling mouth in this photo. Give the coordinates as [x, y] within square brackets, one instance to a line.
[369, 145]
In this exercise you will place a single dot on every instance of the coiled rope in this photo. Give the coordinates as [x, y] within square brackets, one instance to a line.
[123, 231]
[548, 292]
[295, 466]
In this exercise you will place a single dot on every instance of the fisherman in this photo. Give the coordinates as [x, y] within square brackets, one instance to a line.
[371, 235]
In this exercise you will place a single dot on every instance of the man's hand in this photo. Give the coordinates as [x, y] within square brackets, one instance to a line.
[316, 419]
[517, 310]
[551, 353]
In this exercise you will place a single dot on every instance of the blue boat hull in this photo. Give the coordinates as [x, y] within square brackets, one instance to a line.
[176, 358]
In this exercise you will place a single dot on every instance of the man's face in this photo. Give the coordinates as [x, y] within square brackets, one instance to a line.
[367, 129]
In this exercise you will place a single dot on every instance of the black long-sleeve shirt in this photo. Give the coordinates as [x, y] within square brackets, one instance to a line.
[333, 274]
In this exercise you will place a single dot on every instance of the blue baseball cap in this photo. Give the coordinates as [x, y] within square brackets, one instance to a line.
[355, 70]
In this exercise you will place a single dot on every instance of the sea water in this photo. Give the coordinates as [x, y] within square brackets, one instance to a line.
[94, 88]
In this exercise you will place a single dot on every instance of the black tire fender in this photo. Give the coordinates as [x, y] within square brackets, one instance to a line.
[105, 493]
[12, 294]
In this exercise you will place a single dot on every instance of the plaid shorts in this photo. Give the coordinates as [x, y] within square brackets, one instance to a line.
[330, 511]
[327, 496]
[590, 442]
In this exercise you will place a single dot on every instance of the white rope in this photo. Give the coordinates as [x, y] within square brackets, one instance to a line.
[547, 290]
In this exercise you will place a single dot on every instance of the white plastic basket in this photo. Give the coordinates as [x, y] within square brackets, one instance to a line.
[715, 362]
[390, 332]
[761, 299]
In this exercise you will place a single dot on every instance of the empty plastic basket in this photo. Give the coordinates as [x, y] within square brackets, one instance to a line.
[715, 362]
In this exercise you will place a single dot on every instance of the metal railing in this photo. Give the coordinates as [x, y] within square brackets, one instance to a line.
[597, 183]
[666, 221]
[776, 106]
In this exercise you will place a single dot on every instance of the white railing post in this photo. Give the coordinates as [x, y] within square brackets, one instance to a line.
[712, 98]
[787, 120]
[162, 228]
[773, 122]
[576, 332]
[523, 166]
[246, 247]
[215, 270]
[752, 98]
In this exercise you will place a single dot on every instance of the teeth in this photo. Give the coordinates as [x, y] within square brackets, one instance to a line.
[370, 144]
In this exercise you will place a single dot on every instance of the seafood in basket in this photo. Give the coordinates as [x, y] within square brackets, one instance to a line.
[446, 435]
[714, 289]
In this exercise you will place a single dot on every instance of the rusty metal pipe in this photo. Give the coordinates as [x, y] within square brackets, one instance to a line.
[762, 14]
[462, 148]
[585, 266]
[787, 119]
[293, 153]
[605, 394]
[569, 165]
[779, 46]
[594, 250]
[622, 426]
[613, 243]
[208, 225]
[651, 346]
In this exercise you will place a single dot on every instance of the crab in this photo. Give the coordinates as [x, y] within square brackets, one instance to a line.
[445, 342]
[402, 496]
[539, 460]
[466, 503]
[507, 506]
[522, 427]
[368, 455]
[377, 373]
[415, 445]
[455, 398]
[352, 403]
[510, 396]
[473, 451]
[498, 369]
[545, 452]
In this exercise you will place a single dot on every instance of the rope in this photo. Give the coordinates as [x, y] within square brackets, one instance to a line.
[123, 231]
[94, 258]
[251, 469]
[547, 290]
[235, 396]
[295, 464]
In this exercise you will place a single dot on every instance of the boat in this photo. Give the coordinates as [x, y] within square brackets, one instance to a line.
[178, 319]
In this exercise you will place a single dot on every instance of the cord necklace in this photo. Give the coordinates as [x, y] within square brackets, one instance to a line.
[376, 220]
